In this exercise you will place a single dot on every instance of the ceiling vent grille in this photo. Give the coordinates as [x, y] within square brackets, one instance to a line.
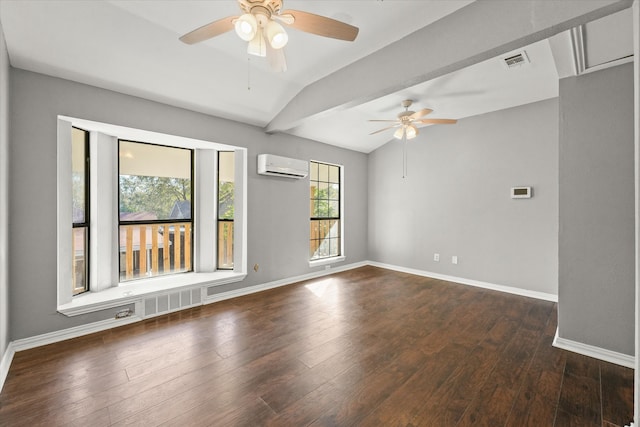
[516, 60]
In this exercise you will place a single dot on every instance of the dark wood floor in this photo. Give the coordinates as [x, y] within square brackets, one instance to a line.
[367, 347]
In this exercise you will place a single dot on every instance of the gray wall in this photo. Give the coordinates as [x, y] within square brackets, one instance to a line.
[4, 198]
[456, 199]
[278, 208]
[596, 240]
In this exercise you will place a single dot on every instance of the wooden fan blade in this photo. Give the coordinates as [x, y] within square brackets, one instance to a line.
[285, 19]
[276, 58]
[383, 129]
[436, 121]
[210, 30]
[420, 113]
[321, 25]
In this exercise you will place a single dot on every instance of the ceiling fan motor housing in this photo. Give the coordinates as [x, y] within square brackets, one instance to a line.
[261, 7]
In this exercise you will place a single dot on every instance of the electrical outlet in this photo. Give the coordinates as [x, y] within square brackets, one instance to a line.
[436, 257]
[256, 268]
[454, 259]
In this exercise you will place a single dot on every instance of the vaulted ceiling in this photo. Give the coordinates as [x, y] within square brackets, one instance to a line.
[331, 87]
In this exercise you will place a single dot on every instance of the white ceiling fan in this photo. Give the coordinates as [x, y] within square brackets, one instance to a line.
[408, 121]
[260, 26]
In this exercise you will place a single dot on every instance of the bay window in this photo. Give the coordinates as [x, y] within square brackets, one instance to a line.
[146, 206]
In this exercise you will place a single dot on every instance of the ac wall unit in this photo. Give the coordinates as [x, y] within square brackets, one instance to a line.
[268, 164]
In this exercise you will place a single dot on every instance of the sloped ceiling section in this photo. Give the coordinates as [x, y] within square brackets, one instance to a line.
[443, 47]
[442, 54]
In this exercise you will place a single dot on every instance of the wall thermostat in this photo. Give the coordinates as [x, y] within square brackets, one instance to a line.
[521, 192]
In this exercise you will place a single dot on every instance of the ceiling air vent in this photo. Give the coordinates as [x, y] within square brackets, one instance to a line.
[516, 60]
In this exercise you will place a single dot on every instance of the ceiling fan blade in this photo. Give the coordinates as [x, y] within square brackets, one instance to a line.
[210, 30]
[420, 113]
[436, 121]
[276, 58]
[285, 19]
[321, 25]
[383, 129]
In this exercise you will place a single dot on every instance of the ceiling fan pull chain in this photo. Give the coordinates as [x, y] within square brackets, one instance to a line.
[248, 73]
[404, 157]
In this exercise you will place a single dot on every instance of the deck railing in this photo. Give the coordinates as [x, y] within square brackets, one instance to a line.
[148, 250]
[225, 245]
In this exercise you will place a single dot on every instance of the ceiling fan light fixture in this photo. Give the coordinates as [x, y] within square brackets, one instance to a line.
[246, 27]
[276, 35]
[411, 132]
[398, 134]
[257, 45]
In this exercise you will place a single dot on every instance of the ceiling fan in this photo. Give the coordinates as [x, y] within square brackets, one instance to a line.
[408, 121]
[260, 25]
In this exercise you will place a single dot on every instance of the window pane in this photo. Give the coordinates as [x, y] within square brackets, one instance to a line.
[334, 209]
[324, 234]
[335, 229]
[334, 247]
[79, 174]
[155, 182]
[323, 172]
[226, 169]
[313, 189]
[79, 274]
[225, 245]
[226, 191]
[323, 190]
[334, 191]
[334, 174]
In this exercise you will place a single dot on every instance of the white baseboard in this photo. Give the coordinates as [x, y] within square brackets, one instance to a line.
[477, 283]
[76, 331]
[56, 336]
[595, 352]
[283, 282]
[5, 363]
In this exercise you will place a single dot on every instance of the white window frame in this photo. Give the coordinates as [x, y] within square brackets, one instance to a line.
[341, 257]
[105, 290]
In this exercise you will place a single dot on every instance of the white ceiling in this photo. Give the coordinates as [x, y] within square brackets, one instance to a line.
[133, 47]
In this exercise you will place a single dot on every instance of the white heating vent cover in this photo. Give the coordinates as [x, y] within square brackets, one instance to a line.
[170, 302]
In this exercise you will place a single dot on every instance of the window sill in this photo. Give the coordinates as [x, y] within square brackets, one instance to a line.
[326, 261]
[133, 292]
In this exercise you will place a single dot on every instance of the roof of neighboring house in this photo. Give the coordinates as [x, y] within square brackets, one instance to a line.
[138, 216]
[181, 210]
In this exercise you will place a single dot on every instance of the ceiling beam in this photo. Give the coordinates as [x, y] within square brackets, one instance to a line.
[482, 30]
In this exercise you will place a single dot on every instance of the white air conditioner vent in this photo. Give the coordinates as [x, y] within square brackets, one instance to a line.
[170, 302]
[516, 60]
[268, 164]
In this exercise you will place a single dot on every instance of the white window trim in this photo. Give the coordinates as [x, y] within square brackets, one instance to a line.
[106, 291]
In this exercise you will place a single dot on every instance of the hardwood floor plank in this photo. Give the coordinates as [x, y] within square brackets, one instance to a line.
[580, 393]
[402, 406]
[448, 405]
[617, 393]
[493, 403]
[366, 347]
